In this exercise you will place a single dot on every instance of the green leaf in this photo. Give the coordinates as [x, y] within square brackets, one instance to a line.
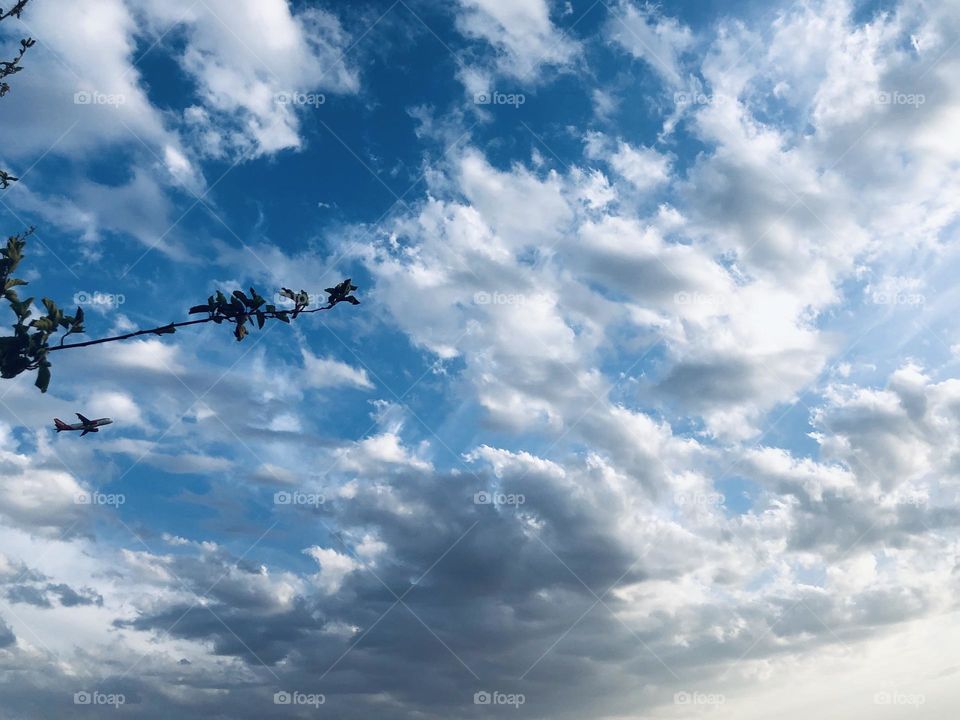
[23, 310]
[261, 319]
[43, 378]
[8, 342]
[13, 366]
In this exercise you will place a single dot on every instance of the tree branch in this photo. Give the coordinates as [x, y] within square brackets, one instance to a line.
[167, 329]
[15, 11]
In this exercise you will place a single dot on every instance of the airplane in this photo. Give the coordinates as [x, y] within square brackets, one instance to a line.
[85, 424]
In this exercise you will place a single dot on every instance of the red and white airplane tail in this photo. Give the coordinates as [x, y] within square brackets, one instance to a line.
[61, 425]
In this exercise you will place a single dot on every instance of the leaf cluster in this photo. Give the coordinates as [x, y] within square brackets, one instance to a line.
[16, 11]
[11, 67]
[29, 345]
[239, 309]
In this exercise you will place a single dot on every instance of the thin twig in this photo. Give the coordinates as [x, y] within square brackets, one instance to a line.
[159, 330]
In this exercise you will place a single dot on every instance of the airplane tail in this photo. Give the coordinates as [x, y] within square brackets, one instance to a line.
[60, 425]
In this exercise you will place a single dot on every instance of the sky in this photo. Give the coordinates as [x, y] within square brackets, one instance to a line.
[649, 409]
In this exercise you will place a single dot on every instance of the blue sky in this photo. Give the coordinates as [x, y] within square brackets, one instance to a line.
[671, 284]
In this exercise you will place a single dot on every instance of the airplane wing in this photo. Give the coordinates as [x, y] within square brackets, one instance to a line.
[88, 430]
[84, 420]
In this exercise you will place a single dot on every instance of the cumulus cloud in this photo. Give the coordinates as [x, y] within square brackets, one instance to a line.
[248, 63]
[327, 372]
[645, 33]
[593, 502]
[521, 33]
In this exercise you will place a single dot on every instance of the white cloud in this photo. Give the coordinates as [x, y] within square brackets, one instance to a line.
[327, 372]
[154, 355]
[626, 334]
[647, 34]
[334, 568]
[522, 34]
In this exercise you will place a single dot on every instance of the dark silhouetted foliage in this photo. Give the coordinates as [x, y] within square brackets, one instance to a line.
[30, 345]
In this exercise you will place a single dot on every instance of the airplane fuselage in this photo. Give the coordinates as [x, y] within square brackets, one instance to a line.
[87, 426]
